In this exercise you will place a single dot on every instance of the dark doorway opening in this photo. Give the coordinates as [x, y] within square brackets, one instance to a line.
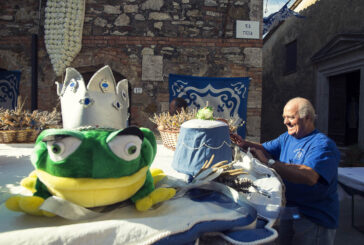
[344, 92]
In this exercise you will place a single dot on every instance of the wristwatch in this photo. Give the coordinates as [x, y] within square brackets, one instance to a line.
[271, 162]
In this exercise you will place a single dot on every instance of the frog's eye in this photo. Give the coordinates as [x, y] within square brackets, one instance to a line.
[61, 147]
[126, 147]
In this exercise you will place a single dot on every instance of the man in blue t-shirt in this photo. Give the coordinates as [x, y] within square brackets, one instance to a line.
[307, 160]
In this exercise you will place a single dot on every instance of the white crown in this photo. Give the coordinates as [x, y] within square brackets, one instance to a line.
[103, 104]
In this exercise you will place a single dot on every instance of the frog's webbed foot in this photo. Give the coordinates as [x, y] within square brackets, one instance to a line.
[27, 204]
[156, 196]
[157, 175]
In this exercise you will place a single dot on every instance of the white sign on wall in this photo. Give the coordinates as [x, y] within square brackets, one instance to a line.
[152, 67]
[247, 29]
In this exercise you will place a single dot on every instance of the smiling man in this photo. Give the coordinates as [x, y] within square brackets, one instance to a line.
[307, 160]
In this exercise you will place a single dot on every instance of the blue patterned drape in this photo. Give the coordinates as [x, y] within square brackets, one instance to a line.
[9, 88]
[274, 19]
[228, 96]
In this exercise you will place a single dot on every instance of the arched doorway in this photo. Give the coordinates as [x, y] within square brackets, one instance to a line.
[340, 89]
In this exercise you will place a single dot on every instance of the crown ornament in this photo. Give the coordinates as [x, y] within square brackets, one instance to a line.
[102, 104]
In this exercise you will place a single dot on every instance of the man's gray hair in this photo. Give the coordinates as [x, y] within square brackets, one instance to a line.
[305, 108]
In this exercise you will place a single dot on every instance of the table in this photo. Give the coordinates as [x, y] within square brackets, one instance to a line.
[351, 179]
[106, 229]
[22, 228]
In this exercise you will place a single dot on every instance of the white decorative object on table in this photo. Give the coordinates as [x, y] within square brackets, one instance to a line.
[102, 104]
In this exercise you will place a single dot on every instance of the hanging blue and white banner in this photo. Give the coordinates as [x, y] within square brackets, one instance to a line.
[9, 88]
[274, 19]
[228, 96]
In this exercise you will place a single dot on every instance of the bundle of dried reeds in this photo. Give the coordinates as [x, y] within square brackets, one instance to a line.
[19, 119]
[165, 121]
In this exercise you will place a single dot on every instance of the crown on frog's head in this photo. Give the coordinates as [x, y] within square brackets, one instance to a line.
[102, 104]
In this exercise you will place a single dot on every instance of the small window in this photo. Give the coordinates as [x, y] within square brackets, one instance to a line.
[291, 57]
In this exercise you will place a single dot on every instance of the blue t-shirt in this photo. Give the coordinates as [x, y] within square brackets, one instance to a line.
[320, 202]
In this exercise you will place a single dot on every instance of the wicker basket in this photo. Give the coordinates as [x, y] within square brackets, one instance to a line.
[8, 136]
[169, 138]
[33, 136]
[18, 136]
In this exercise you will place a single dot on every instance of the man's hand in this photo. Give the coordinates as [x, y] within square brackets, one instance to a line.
[245, 144]
[239, 141]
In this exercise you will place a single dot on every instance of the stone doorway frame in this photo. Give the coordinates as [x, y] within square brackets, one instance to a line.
[343, 54]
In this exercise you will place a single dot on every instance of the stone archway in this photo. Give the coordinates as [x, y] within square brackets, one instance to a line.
[343, 55]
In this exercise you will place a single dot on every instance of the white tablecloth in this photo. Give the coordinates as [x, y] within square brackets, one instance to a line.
[112, 227]
[15, 165]
[352, 177]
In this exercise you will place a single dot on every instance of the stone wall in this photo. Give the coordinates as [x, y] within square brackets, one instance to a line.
[190, 37]
[323, 21]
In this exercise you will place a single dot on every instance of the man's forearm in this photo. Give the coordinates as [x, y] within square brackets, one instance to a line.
[254, 145]
[296, 173]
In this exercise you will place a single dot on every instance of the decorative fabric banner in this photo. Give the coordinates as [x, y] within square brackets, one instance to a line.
[9, 89]
[228, 96]
[274, 19]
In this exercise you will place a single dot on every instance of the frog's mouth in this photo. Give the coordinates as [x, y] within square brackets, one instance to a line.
[89, 192]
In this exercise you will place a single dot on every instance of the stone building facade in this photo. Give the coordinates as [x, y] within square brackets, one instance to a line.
[143, 41]
[320, 57]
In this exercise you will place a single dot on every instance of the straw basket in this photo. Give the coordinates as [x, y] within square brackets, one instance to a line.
[18, 136]
[169, 138]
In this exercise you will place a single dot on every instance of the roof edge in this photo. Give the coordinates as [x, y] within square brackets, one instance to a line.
[295, 4]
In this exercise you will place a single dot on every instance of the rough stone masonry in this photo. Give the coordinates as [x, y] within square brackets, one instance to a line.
[143, 41]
